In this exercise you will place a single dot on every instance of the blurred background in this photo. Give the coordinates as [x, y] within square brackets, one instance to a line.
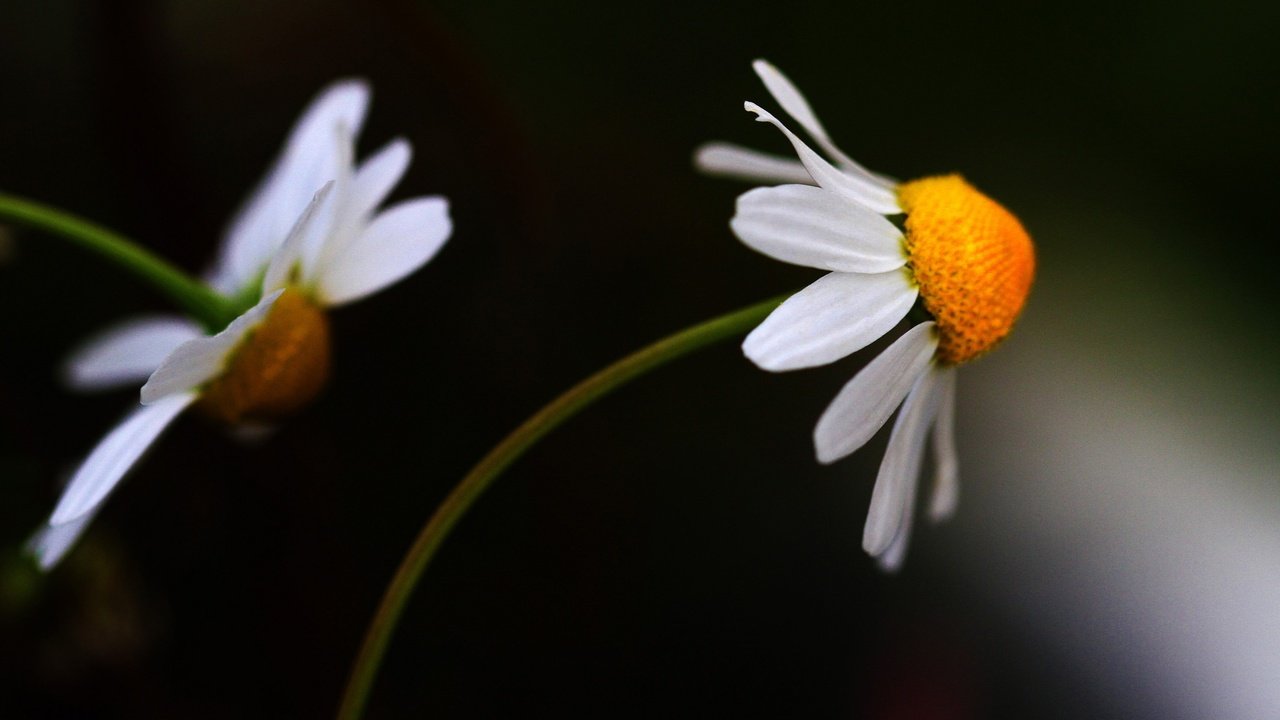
[675, 551]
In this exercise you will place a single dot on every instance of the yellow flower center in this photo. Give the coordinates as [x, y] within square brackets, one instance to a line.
[278, 368]
[972, 260]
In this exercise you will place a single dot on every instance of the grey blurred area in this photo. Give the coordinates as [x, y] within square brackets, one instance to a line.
[1127, 459]
[675, 551]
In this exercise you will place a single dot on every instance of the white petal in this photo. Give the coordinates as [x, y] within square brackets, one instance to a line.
[376, 176]
[113, 457]
[304, 240]
[838, 314]
[313, 155]
[814, 227]
[824, 174]
[198, 361]
[735, 161]
[126, 353]
[865, 403]
[793, 102]
[335, 224]
[891, 559]
[368, 187]
[946, 481]
[900, 469]
[398, 241]
[51, 542]
[344, 102]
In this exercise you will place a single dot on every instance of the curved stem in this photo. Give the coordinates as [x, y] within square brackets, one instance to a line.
[446, 516]
[194, 297]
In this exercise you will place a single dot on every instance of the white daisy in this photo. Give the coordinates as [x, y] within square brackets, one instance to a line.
[962, 262]
[310, 237]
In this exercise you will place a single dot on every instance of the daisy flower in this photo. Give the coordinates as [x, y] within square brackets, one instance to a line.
[953, 260]
[311, 237]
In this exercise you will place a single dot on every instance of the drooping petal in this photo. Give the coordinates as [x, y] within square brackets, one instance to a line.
[891, 559]
[312, 156]
[795, 105]
[826, 175]
[814, 227]
[113, 457]
[398, 241]
[865, 403]
[51, 542]
[735, 161]
[307, 234]
[946, 481]
[198, 361]
[126, 353]
[900, 469]
[838, 314]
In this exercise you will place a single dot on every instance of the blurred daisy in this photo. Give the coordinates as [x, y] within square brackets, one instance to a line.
[310, 238]
[957, 263]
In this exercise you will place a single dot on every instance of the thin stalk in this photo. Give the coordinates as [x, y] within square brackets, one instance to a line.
[460, 499]
[194, 297]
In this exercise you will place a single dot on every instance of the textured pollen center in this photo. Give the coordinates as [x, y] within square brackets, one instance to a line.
[280, 367]
[972, 260]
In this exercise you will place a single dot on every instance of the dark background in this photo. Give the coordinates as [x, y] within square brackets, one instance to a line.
[675, 551]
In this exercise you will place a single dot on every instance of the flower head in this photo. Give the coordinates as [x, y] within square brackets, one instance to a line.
[311, 237]
[960, 259]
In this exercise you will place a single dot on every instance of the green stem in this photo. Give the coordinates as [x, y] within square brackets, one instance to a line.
[197, 299]
[447, 515]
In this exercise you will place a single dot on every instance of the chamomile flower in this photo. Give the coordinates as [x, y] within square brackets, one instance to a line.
[310, 238]
[962, 262]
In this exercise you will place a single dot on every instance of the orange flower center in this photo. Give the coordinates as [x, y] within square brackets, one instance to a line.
[278, 368]
[972, 260]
